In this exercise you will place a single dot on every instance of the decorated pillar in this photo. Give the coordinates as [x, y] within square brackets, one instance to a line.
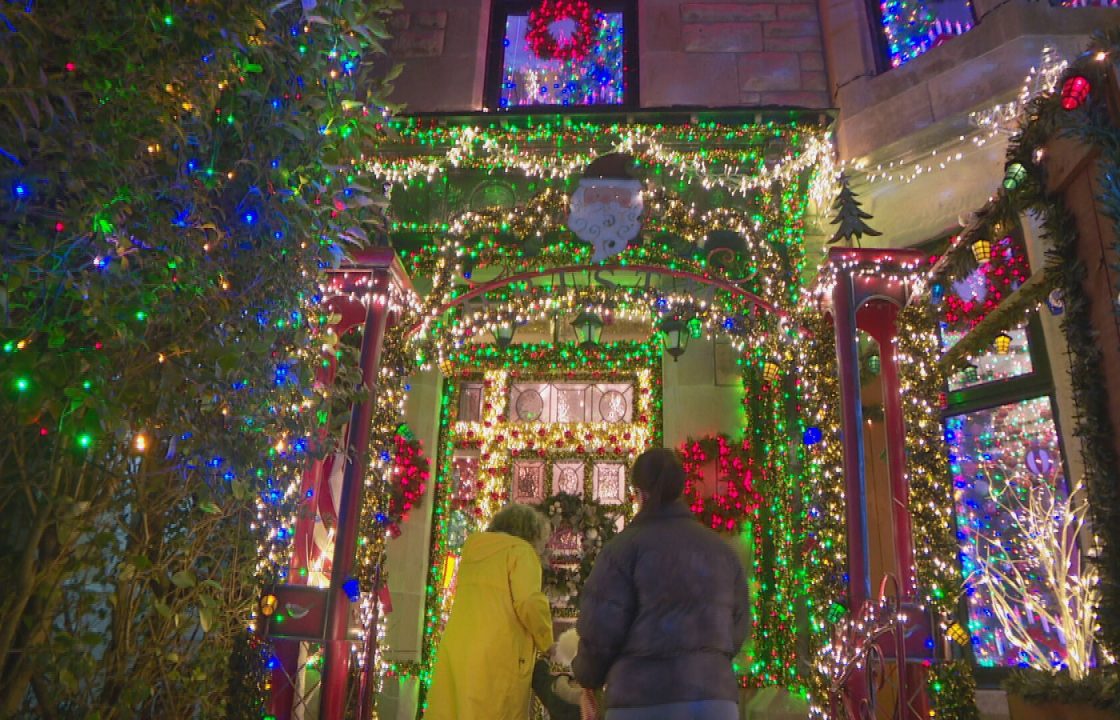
[361, 294]
[870, 286]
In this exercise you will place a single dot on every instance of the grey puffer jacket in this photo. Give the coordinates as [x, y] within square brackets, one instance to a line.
[663, 613]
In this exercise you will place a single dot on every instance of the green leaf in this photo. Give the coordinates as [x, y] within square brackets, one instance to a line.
[162, 608]
[184, 579]
[206, 618]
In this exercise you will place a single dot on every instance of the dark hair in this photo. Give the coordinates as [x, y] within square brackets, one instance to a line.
[659, 473]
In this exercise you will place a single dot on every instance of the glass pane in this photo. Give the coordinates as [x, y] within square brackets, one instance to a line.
[996, 456]
[470, 402]
[912, 26]
[596, 78]
[992, 365]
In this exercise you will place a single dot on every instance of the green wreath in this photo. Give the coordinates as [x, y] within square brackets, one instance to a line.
[594, 524]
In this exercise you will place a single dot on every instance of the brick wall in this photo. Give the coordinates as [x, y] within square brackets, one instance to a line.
[724, 54]
[693, 54]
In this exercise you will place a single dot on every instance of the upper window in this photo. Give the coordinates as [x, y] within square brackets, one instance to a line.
[911, 27]
[559, 53]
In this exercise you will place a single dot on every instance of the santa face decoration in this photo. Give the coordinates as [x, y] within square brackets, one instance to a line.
[606, 212]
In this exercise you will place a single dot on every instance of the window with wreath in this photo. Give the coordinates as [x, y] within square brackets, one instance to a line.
[562, 53]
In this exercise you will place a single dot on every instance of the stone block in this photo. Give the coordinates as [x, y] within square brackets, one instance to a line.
[659, 27]
[791, 44]
[400, 21]
[418, 43]
[798, 11]
[722, 37]
[813, 80]
[713, 12]
[812, 61]
[803, 99]
[769, 71]
[430, 20]
[792, 28]
[702, 79]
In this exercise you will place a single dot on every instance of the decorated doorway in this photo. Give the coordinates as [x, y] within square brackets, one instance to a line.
[561, 439]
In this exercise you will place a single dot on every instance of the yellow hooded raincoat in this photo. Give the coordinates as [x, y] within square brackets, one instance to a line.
[499, 621]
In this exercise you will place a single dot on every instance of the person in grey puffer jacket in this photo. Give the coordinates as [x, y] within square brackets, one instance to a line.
[665, 610]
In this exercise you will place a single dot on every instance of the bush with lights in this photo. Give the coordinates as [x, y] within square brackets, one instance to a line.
[174, 177]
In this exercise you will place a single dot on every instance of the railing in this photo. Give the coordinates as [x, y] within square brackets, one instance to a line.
[861, 649]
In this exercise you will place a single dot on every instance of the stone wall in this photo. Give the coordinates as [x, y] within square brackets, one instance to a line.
[727, 54]
[690, 54]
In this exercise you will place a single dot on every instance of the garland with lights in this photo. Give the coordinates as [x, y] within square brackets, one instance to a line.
[594, 524]
[740, 159]
[824, 535]
[1077, 109]
[726, 511]
[541, 39]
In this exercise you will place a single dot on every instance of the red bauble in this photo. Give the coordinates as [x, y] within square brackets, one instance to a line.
[544, 44]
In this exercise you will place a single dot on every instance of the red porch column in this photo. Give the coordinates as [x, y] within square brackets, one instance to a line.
[371, 277]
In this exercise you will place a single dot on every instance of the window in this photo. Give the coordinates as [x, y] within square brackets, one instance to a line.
[1001, 433]
[911, 27]
[996, 456]
[566, 53]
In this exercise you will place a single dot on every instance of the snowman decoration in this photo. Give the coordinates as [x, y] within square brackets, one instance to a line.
[606, 208]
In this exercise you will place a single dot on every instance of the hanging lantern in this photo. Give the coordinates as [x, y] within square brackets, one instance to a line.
[771, 371]
[982, 251]
[503, 335]
[1003, 343]
[589, 328]
[674, 336]
[958, 634]
[874, 364]
[1075, 91]
[1014, 176]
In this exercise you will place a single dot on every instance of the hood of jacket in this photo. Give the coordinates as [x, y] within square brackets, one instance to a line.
[483, 545]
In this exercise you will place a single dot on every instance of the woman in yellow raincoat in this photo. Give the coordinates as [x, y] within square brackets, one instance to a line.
[499, 621]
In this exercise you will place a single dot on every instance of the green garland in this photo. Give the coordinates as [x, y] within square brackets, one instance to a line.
[1090, 125]
[952, 691]
[595, 523]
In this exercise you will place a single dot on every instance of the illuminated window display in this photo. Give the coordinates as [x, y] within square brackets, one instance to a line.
[996, 456]
[563, 52]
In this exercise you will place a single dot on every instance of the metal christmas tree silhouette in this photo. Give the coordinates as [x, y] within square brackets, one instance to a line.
[850, 217]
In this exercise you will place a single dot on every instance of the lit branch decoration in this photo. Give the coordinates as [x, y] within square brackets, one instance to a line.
[1040, 571]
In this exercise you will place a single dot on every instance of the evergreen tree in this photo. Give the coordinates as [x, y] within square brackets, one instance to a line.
[174, 177]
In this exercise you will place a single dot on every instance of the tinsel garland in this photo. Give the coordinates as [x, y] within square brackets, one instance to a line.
[952, 689]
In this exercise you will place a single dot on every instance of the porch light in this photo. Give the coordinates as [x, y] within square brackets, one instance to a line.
[589, 328]
[503, 335]
[674, 336]
[1014, 176]
[982, 251]
[1003, 343]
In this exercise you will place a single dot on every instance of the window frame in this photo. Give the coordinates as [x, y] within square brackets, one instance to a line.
[492, 86]
[1036, 384]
